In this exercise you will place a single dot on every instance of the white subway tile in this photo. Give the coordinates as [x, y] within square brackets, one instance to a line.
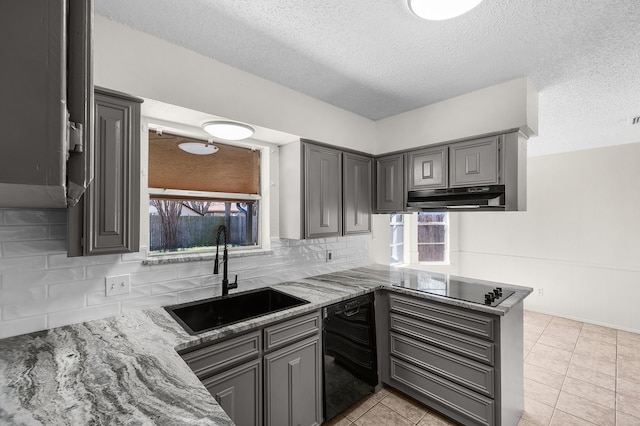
[75, 287]
[98, 297]
[23, 233]
[199, 294]
[45, 306]
[148, 276]
[138, 256]
[149, 302]
[61, 260]
[22, 326]
[174, 286]
[101, 271]
[22, 263]
[20, 295]
[27, 217]
[75, 316]
[27, 279]
[57, 232]
[29, 248]
[190, 270]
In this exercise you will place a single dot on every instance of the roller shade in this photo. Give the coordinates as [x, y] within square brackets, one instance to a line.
[232, 169]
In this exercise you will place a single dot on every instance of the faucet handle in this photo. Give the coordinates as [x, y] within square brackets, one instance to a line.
[234, 284]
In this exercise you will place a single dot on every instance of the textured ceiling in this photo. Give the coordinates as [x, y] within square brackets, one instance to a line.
[376, 59]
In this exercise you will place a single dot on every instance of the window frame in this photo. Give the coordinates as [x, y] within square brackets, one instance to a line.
[263, 199]
[447, 244]
[403, 224]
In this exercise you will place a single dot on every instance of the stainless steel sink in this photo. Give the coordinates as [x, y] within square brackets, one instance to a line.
[209, 314]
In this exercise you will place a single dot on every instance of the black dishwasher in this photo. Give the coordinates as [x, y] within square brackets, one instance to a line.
[349, 347]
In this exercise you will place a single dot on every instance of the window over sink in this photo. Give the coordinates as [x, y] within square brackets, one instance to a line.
[191, 195]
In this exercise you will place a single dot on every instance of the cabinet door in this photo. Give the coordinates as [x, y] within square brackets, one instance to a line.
[428, 168]
[356, 194]
[475, 162]
[390, 184]
[323, 191]
[112, 208]
[238, 391]
[293, 393]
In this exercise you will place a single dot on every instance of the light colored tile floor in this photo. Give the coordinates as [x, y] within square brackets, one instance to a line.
[575, 374]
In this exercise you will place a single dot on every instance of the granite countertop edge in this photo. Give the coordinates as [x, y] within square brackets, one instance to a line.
[127, 368]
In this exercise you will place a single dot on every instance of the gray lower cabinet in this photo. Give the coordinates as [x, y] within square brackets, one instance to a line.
[390, 191]
[356, 193]
[292, 383]
[283, 358]
[464, 363]
[239, 392]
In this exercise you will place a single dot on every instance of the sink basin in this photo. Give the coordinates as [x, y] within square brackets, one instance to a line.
[205, 315]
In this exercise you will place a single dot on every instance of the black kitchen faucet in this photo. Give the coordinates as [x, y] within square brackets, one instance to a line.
[225, 259]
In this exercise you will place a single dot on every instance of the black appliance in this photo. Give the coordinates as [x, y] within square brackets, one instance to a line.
[349, 348]
[490, 197]
[457, 288]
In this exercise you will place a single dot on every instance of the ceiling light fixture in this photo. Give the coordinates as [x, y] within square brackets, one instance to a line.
[439, 10]
[198, 147]
[229, 130]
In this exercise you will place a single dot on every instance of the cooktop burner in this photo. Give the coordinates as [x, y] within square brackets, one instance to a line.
[443, 285]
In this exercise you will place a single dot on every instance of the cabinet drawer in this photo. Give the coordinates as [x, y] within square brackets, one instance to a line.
[218, 356]
[473, 408]
[468, 346]
[450, 317]
[289, 331]
[463, 371]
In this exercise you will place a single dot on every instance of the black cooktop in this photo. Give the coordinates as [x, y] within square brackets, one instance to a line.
[443, 285]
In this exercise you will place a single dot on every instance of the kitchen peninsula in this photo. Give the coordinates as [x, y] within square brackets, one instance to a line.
[127, 369]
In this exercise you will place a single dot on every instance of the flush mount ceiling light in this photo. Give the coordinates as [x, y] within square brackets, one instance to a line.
[439, 10]
[229, 130]
[198, 148]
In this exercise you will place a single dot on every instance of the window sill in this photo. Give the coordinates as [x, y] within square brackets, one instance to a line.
[164, 259]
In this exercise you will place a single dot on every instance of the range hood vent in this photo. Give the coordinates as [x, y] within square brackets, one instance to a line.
[490, 197]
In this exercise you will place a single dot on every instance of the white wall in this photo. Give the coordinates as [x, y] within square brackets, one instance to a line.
[145, 66]
[577, 241]
[510, 105]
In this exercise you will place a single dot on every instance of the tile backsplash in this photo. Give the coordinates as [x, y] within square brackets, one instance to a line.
[41, 288]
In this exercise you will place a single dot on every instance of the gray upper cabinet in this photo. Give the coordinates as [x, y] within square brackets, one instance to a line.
[323, 191]
[475, 162]
[293, 380]
[239, 393]
[46, 89]
[108, 220]
[390, 192]
[428, 168]
[356, 193]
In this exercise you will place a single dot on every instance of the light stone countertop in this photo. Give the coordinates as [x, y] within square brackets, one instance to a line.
[125, 369]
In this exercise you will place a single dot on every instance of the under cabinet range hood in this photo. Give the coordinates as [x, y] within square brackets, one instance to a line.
[46, 106]
[490, 197]
[468, 187]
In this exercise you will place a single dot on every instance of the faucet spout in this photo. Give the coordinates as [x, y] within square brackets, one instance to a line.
[222, 230]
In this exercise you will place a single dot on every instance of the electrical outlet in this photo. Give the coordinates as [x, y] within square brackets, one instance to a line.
[329, 256]
[117, 284]
[540, 291]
